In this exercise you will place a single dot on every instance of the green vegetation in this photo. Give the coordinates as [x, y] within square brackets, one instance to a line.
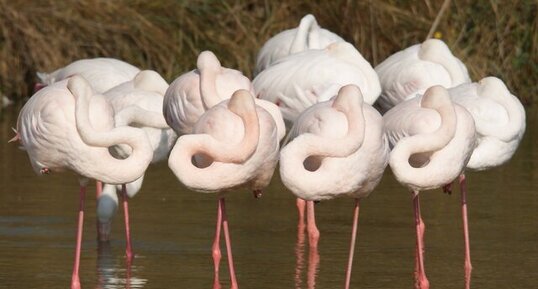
[493, 37]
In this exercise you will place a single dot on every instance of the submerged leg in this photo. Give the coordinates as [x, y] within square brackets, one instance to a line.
[313, 267]
[233, 280]
[299, 248]
[421, 281]
[128, 250]
[75, 280]
[467, 265]
[216, 247]
[311, 228]
[352, 245]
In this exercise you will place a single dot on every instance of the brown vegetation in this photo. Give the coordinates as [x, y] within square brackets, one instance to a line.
[497, 38]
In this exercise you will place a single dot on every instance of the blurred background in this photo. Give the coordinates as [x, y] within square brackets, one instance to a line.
[493, 38]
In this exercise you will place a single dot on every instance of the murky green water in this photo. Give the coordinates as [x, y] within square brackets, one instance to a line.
[173, 231]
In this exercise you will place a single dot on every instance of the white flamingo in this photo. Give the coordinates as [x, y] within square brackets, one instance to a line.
[411, 71]
[101, 73]
[337, 148]
[432, 140]
[66, 127]
[308, 35]
[233, 144]
[194, 92]
[300, 80]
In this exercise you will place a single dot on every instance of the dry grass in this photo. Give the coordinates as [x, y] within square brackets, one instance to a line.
[492, 37]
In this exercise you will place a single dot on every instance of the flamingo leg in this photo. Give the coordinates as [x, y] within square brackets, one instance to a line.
[467, 265]
[75, 280]
[301, 204]
[228, 244]
[313, 267]
[216, 247]
[128, 249]
[421, 281]
[313, 232]
[352, 245]
[98, 192]
[299, 248]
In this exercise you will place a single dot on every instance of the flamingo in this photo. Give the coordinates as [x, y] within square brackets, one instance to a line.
[65, 126]
[411, 71]
[233, 144]
[196, 91]
[138, 102]
[308, 35]
[101, 73]
[432, 139]
[336, 148]
[300, 80]
[500, 123]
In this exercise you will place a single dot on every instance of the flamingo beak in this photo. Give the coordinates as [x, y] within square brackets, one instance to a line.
[38, 86]
[257, 193]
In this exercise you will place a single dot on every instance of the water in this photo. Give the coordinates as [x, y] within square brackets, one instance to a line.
[173, 231]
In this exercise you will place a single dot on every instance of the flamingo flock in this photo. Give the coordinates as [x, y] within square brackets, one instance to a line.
[106, 120]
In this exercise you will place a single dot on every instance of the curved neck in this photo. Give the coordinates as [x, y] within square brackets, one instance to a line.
[135, 115]
[223, 155]
[209, 68]
[494, 89]
[421, 177]
[307, 36]
[112, 170]
[436, 51]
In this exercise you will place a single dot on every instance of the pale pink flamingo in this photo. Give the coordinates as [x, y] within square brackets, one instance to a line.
[101, 73]
[65, 126]
[233, 144]
[303, 79]
[411, 71]
[432, 140]
[136, 102]
[336, 148]
[500, 123]
[308, 35]
[196, 91]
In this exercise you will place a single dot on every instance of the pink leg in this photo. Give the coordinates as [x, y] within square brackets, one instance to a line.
[301, 204]
[228, 245]
[313, 232]
[352, 245]
[313, 267]
[468, 267]
[216, 247]
[299, 248]
[75, 280]
[98, 192]
[128, 250]
[422, 281]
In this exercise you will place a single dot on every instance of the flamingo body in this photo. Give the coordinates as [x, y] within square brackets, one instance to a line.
[499, 118]
[300, 80]
[308, 35]
[101, 73]
[411, 71]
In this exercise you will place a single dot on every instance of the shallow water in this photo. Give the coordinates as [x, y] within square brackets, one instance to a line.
[173, 229]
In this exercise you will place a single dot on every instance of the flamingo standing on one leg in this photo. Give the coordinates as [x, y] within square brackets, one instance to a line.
[432, 140]
[500, 123]
[233, 144]
[337, 148]
[65, 127]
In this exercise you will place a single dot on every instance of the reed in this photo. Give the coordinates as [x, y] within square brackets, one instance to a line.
[497, 38]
